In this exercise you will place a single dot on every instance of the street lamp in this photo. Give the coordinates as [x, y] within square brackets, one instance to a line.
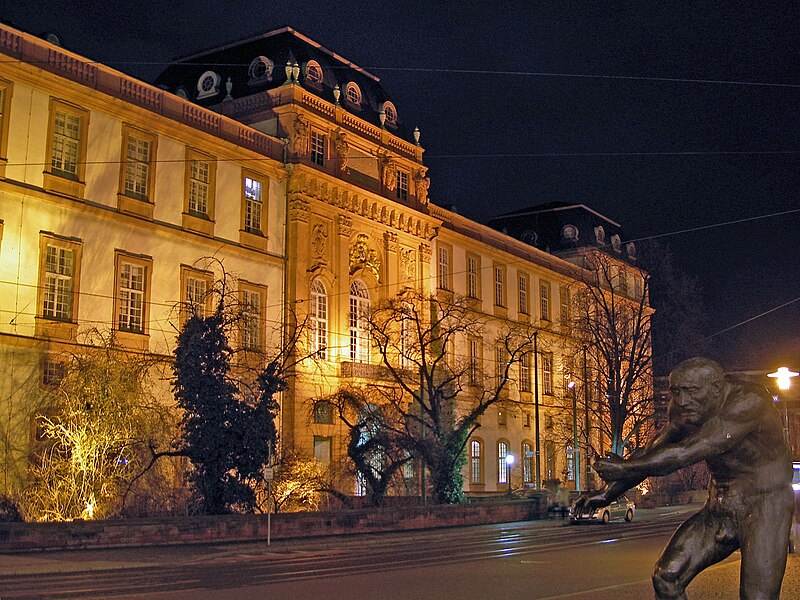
[576, 461]
[784, 377]
[509, 463]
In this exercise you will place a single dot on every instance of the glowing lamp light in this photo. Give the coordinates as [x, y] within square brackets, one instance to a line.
[784, 377]
[509, 459]
[571, 385]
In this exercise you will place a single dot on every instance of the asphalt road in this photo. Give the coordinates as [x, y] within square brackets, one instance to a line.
[544, 560]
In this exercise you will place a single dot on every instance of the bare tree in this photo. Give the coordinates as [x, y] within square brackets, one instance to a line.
[431, 348]
[612, 322]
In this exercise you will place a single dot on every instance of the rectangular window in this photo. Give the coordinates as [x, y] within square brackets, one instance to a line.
[66, 146]
[473, 277]
[638, 287]
[195, 292]
[252, 300]
[130, 312]
[522, 288]
[544, 294]
[473, 357]
[200, 192]
[526, 420]
[402, 185]
[525, 372]
[323, 412]
[322, 450]
[58, 282]
[253, 205]
[53, 371]
[502, 463]
[199, 179]
[500, 365]
[443, 264]
[623, 282]
[138, 150]
[527, 460]
[563, 293]
[499, 285]
[318, 148]
[547, 374]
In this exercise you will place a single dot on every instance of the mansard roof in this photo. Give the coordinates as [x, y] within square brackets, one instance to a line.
[281, 47]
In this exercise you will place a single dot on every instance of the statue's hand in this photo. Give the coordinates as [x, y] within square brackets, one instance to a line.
[611, 468]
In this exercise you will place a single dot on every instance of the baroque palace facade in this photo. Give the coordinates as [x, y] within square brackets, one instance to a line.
[289, 166]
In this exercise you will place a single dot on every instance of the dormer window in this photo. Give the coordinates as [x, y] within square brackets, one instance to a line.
[569, 233]
[208, 85]
[313, 72]
[353, 94]
[260, 70]
[391, 114]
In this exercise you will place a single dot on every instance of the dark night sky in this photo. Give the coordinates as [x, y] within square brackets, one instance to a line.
[662, 116]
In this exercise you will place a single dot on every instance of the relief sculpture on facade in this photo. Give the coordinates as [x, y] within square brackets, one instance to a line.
[342, 149]
[300, 136]
[319, 240]
[388, 171]
[422, 183]
[408, 264]
[363, 257]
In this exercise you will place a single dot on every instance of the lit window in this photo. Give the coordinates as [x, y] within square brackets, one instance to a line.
[319, 319]
[473, 278]
[253, 205]
[547, 374]
[475, 462]
[525, 372]
[66, 144]
[544, 294]
[444, 267]
[130, 312]
[313, 72]
[317, 148]
[523, 294]
[502, 465]
[196, 292]
[402, 185]
[58, 283]
[359, 331]
[500, 365]
[353, 94]
[499, 286]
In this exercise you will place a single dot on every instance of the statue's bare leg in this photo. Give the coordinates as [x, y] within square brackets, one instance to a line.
[703, 540]
[764, 535]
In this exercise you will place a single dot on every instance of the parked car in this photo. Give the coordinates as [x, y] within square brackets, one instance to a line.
[621, 508]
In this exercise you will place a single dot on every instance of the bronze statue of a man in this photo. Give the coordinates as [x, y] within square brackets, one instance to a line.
[733, 426]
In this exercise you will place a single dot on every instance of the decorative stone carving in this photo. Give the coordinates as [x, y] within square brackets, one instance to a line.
[299, 210]
[299, 136]
[319, 240]
[425, 252]
[363, 257]
[342, 149]
[391, 241]
[345, 224]
[422, 183]
[388, 170]
[408, 264]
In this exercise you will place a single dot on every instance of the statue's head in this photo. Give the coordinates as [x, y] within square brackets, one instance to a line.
[696, 388]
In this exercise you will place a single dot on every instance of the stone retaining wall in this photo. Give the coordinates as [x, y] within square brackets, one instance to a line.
[26, 537]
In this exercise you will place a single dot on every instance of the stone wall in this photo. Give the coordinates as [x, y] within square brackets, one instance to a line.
[25, 537]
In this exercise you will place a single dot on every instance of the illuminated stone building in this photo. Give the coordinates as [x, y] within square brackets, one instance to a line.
[313, 192]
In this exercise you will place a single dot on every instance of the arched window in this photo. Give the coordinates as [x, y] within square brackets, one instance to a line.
[359, 334]
[313, 72]
[527, 462]
[319, 319]
[353, 94]
[475, 462]
[502, 465]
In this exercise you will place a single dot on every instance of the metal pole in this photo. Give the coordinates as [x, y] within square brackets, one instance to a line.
[269, 511]
[586, 415]
[536, 407]
[576, 461]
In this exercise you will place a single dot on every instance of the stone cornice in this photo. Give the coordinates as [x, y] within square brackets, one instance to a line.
[308, 183]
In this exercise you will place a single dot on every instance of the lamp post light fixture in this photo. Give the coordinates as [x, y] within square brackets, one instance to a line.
[784, 377]
[509, 464]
